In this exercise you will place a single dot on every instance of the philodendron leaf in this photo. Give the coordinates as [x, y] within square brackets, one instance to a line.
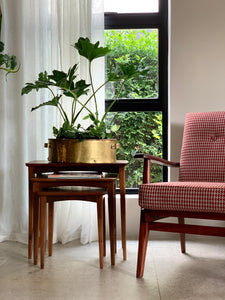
[35, 86]
[42, 82]
[57, 76]
[71, 73]
[43, 76]
[89, 50]
[80, 88]
[126, 72]
[53, 102]
[28, 88]
[130, 71]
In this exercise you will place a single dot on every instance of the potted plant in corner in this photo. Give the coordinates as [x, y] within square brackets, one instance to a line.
[7, 63]
[73, 143]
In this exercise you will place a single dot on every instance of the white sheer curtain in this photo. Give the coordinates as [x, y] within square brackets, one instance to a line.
[40, 33]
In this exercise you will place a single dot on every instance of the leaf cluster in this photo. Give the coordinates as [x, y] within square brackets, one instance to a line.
[7, 63]
[66, 84]
[139, 132]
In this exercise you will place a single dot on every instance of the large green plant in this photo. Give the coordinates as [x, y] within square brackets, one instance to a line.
[66, 84]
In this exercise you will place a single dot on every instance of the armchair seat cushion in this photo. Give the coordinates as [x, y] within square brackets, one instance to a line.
[183, 196]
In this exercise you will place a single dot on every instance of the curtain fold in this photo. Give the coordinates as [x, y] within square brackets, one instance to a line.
[40, 33]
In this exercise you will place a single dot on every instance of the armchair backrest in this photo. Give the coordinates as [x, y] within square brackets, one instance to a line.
[203, 148]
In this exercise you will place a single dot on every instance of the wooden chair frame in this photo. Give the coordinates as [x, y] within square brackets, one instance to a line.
[149, 218]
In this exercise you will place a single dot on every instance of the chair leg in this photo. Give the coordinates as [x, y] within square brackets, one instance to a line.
[142, 247]
[50, 226]
[100, 230]
[43, 201]
[182, 236]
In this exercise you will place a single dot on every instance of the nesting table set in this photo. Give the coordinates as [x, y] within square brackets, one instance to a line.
[38, 182]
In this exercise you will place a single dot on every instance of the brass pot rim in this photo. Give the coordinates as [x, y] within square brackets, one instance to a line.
[86, 139]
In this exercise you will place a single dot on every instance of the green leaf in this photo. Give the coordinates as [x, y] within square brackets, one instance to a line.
[55, 130]
[58, 76]
[53, 102]
[86, 117]
[71, 73]
[89, 50]
[80, 88]
[43, 76]
[35, 86]
[92, 117]
[115, 128]
[9, 62]
[28, 88]
[130, 70]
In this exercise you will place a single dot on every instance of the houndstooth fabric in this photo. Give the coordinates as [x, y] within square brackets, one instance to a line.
[183, 196]
[201, 185]
[203, 149]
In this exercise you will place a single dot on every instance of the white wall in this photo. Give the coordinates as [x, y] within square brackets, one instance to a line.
[197, 76]
[197, 58]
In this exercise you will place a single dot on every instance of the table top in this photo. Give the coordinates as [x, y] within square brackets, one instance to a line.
[43, 163]
[44, 166]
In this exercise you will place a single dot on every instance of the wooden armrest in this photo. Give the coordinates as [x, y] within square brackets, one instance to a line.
[157, 160]
[148, 159]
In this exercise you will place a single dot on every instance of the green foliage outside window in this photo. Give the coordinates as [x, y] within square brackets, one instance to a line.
[139, 132]
[140, 47]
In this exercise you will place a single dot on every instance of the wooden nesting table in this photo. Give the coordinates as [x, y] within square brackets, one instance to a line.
[37, 182]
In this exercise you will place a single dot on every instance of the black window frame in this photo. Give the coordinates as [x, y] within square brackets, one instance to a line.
[157, 20]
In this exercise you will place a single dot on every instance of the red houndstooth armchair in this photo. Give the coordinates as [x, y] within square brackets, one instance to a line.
[200, 191]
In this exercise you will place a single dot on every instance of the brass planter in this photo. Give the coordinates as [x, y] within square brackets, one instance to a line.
[87, 151]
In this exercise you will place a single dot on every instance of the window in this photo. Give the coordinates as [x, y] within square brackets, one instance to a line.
[131, 6]
[139, 34]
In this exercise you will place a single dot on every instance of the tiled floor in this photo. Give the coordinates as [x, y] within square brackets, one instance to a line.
[73, 272]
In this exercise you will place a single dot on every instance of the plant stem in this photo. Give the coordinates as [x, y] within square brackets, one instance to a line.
[10, 70]
[63, 113]
[110, 106]
[93, 91]
[84, 105]
[51, 91]
[73, 111]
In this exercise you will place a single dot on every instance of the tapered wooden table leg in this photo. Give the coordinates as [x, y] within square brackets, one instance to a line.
[43, 202]
[50, 226]
[36, 227]
[100, 230]
[123, 210]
